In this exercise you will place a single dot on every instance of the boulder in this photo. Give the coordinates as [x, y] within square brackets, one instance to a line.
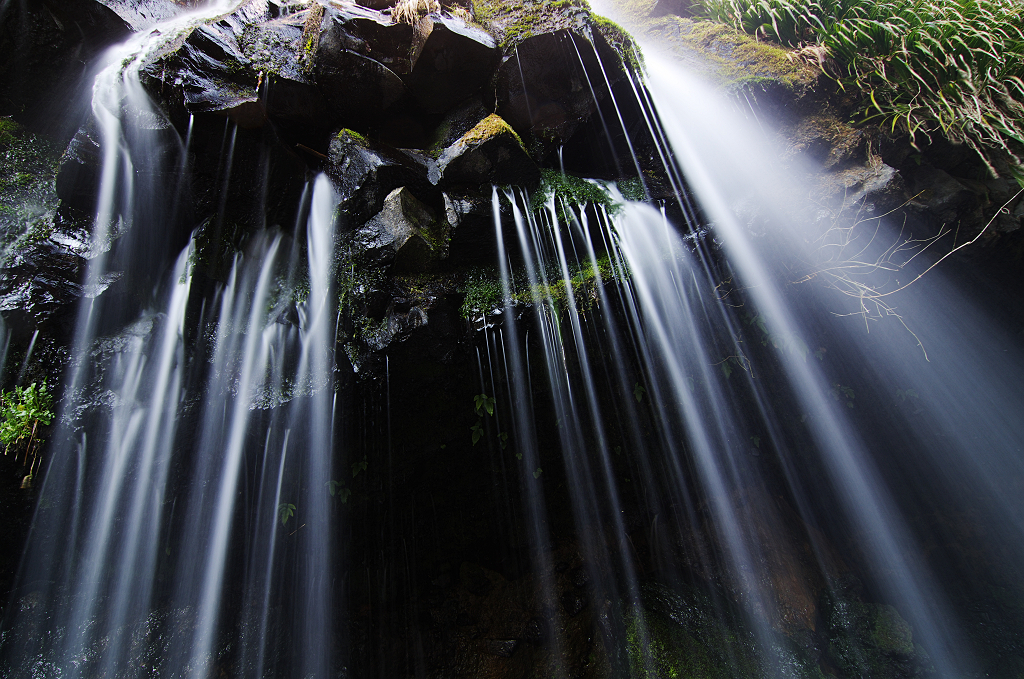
[456, 123]
[451, 61]
[40, 285]
[405, 235]
[870, 189]
[275, 51]
[355, 56]
[490, 153]
[352, 28]
[471, 220]
[78, 178]
[942, 194]
[46, 48]
[551, 84]
[210, 75]
[364, 173]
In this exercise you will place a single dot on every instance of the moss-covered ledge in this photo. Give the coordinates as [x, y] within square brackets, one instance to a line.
[719, 53]
[512, 23]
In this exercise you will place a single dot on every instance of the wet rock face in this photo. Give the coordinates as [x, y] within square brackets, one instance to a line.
[364, 173]
[551, 84]
[40, 285]
[451, 61]
[490, 153]
[46, 47]
[471, 220]
[355, 57]
[275, 51]
[405, 235]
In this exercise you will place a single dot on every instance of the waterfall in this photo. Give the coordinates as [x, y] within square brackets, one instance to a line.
[701, 462]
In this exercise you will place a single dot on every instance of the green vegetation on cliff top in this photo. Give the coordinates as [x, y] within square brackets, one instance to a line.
[511, 23]
[953, 67]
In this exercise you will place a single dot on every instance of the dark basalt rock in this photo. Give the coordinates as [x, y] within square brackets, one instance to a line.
[472, 227]
[142, 13]
[365, 173]
[551, 85]
[490, 153]
[210, 75]
[872, 188]
[355, 56]
[351, 28]
[503, 648]
[405, 235]
[275, 50]
[457, 122]
[573, 603]
[451, 61]
[41, 283]
[78, 179]
[358, 89]
[46, 48]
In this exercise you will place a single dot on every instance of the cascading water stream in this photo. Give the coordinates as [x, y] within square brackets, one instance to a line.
[696, 137]
[188, 519]
[137, 507]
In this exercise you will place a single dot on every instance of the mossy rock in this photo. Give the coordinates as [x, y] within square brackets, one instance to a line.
[660, 649]
[512, 23]
[483, 292]
[719, 53]
[28, 197]
[571, 190]
[871, 639]
[489, 153]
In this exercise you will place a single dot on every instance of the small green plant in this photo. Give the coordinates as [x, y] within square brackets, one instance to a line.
[638, 392]
[904, 395]
[730, 363]
[23, 411]
[285, 511]
[358, 467]
[338, 490]
[843, 394]
[483, 402]
[922, 66]
[537, 472]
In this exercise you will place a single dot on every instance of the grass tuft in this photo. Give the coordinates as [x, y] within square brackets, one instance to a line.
[954, 67]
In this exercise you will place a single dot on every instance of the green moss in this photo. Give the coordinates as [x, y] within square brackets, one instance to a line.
[268, 51]
[488, 128]
[28, 196]
[483, 290]
[511, 23]
[660, 650]
[572, 190]
[716, 51]
[620, 40]
[733, 58]
[348, 135]
[632, 189]
[7, 130]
